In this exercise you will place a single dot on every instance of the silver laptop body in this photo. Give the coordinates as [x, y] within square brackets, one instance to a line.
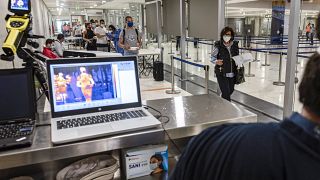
[95, 97]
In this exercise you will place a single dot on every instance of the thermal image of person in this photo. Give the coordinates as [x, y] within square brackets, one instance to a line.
[13, 3]
[61, 87]
[20, 3]
[85, 82]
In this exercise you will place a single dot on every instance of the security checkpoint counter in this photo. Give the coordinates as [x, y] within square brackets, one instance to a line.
[188, 117]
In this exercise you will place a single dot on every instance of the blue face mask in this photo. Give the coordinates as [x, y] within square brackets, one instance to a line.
[130, 24]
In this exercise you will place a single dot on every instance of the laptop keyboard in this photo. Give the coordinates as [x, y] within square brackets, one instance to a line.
[16, 130]
[91, 120]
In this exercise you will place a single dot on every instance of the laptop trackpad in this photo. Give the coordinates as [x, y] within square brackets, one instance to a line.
[94, 130]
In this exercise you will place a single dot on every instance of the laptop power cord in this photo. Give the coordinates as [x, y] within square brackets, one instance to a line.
[159, 116]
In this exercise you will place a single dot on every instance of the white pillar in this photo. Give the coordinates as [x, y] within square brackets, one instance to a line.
[292, 58]
[183, 38]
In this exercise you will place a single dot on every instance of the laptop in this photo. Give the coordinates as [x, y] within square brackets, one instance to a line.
[17, 108]
[95, 97]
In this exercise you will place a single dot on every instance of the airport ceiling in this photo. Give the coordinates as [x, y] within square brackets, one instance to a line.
[234, 7]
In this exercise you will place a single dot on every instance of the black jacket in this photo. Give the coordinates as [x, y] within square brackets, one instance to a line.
[275, 151]
[229, 66]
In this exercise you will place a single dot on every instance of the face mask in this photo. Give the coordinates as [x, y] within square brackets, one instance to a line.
[226, 38]
[153, 166]
[93, 25]
[130, 24]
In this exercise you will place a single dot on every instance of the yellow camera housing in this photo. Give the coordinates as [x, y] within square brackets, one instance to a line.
[16, 26]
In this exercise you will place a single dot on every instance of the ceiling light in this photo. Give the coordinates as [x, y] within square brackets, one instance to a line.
[91, 7]
[104, 1]
[95, 5]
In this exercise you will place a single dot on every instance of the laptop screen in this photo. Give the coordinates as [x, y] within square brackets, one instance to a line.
[93, 85]
[17, 94]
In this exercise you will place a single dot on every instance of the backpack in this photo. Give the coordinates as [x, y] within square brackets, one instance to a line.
[124, 35]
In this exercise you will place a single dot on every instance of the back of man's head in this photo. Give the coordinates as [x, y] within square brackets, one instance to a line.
[309, 89]
[60, 36]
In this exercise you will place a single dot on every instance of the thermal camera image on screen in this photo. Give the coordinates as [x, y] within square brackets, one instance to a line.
[20, 4]
[86, 86]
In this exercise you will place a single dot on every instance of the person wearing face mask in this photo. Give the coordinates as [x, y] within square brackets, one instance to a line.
[226, 67]
[102, 41]
[130, 38]
[47, 50]
[156, 164]
[113, 35]
[90, 38]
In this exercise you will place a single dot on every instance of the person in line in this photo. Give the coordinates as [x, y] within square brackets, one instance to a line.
[226, 67]
[58, 45]
[47, 50]
[312, 32]
[308, 29]
[77, 32]
[83, 27]
[114, 36]
[101, 33]
[89, 38]
[130, 38]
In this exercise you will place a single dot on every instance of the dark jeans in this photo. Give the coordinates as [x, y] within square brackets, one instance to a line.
[311, 38]
[307, 35]
[226, 86]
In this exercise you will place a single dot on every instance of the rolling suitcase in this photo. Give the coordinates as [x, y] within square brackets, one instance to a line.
[158, 71]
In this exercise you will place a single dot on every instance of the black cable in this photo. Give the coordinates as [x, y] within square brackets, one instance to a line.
[162, 124]
[39, 97]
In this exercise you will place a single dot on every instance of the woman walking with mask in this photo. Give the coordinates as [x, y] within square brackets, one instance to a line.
[226, 67]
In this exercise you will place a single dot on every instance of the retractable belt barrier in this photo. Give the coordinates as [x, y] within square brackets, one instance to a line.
[205, 67]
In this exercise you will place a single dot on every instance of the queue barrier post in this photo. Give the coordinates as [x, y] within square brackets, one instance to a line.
[172, 90]
[197, 60]
[187, 54]
[249, 72]
[279, 82]
[266, 59]
[171, 52]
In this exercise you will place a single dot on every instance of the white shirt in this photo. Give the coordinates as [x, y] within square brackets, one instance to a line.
[101, 31]
[58, 48]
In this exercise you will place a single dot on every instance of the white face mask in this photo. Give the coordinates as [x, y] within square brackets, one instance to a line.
[153, 166]
[226, 38]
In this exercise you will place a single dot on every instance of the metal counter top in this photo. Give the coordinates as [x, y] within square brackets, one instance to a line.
[188, 117]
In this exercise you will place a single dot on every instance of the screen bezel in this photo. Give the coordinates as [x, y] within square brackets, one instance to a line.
[92, 60]
[30, 83]
[20, 12]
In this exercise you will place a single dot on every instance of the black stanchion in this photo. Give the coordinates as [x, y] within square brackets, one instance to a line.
[279, 82]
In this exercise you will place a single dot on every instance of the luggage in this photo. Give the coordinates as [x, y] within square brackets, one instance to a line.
[158, 71]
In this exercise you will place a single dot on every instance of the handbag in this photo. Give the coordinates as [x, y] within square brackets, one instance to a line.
[239, 78]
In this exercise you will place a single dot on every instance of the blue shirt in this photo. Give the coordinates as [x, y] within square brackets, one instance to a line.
[308, 126]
